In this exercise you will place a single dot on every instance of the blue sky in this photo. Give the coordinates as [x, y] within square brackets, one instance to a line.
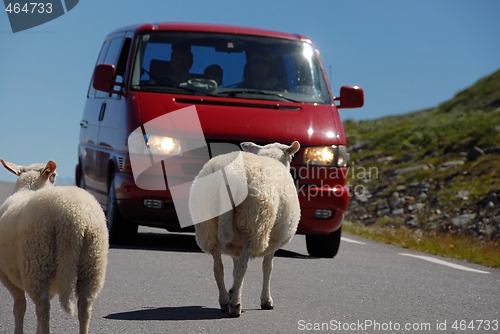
[406, 55]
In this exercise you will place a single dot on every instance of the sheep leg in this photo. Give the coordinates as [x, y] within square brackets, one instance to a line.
[84, 312]
[42, 310]
[219, 279]
[85, 291]
[266, 301]
[90, 280]
[19, 311]
[19, 308]
[235, 264]
[240, 268]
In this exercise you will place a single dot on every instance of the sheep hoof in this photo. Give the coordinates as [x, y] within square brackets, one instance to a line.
[235, 311]
[267, 306]
[224, 308]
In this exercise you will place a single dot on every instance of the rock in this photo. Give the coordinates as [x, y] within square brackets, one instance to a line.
[418, 206]
[365, 217]
[463, 194]
[385, 160]
[494, 150]
[490, 205]
[434, 154]
[412, 222]
[406, 158]
[451, 164]
[398, 211]
[415, 207]
[424, 186]
[493, 197]
[358, 146]
[409, 169]
[383, 212]
[363, 197]
[397, 203]
[474, 153]
[463, 220]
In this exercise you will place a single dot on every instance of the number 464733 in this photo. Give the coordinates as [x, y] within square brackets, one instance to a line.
[473, 325]
[29, 8]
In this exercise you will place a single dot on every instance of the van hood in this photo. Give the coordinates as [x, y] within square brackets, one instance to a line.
[260, 121]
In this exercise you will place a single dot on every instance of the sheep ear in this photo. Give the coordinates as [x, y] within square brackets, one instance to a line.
[250, 147]
[49, 169]
[13, 168]
[292, 149]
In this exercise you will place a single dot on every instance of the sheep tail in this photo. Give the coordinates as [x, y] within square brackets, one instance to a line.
[225, 230]
[66, 302]
[66, 283]
[67, 272]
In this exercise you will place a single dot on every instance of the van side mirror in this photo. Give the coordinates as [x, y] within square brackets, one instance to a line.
[351, 97]
[104, 78]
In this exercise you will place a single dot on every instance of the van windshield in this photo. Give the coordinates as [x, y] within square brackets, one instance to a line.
[237, 66]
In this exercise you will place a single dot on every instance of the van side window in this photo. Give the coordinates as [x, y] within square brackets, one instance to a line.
[114, 51]
[122, 64]
[100, 60]
[122, 61]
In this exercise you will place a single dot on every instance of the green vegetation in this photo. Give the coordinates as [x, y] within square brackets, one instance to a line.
[433, 147]
[485, 252]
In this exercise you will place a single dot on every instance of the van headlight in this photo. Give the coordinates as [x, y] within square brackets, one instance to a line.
[139, 143]
[334, 155]
[163, 145]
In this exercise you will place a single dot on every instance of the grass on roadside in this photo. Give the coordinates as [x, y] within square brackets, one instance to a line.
[443, 244]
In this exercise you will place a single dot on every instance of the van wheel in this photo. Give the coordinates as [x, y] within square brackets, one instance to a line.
[324, 245]
[120, 230]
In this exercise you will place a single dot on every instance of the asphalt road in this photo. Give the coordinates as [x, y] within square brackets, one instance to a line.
[164, 284]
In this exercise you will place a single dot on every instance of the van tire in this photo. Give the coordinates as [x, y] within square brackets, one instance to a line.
[324, 245]
[120, 230]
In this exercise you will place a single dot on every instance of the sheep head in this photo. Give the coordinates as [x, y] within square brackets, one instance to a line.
[281, 152]
[32, 177]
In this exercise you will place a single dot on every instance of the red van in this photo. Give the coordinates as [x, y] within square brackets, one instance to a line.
[246, 84]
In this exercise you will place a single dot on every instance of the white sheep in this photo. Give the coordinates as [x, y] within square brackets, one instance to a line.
[53, 239]
[264, 221]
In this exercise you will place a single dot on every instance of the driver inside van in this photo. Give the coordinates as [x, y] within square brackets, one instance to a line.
[258, 72]
[181, 61]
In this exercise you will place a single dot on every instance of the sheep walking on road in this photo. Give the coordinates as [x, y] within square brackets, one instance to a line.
[53, 239]
[258, 225]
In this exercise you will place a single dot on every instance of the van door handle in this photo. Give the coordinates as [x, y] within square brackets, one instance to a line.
[101, 113]
[84, 124]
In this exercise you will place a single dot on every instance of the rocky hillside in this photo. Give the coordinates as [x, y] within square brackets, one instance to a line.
[435, 170]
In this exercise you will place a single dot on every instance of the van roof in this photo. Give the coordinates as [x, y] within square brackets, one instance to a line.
[207, 27]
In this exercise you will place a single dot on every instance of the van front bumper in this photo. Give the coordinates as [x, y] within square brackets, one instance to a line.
[322, 208]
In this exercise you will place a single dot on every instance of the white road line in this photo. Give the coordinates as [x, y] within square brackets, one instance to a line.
[352, 241]
[444, 263]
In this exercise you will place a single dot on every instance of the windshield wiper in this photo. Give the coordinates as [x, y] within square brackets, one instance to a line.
[170, 88]
[244, 91]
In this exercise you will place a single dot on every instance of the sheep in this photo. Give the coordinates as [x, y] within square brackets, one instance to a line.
[53, 239]
[263, 222]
